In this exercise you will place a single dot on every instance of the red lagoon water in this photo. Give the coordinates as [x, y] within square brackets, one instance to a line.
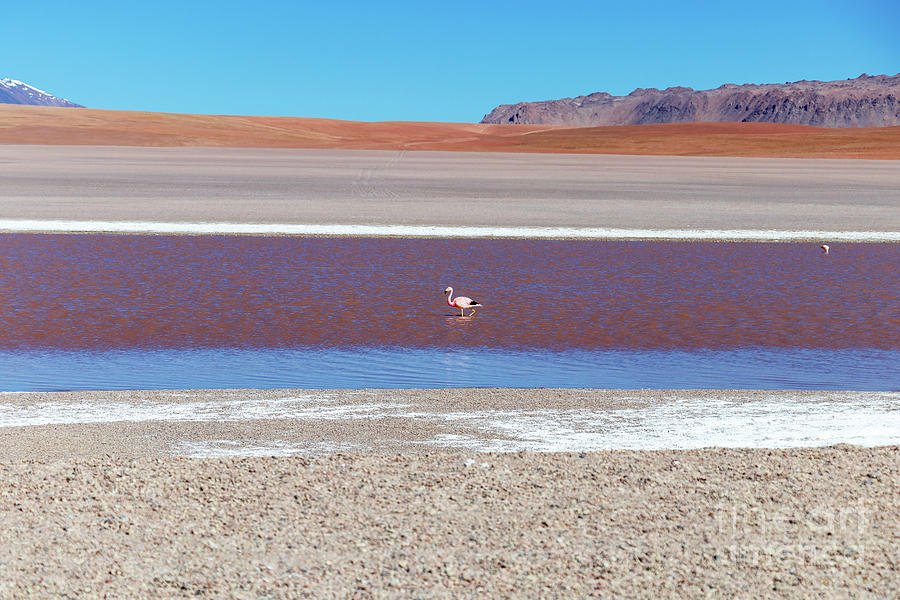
[102, 292]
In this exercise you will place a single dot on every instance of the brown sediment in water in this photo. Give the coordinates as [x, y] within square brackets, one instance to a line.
[49, 125]
[115, 292]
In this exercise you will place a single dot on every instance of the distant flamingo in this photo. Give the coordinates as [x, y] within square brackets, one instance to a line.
[461, 302]
[824, 248]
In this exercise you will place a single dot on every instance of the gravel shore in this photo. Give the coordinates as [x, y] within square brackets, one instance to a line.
[107, 510]
[798, 523]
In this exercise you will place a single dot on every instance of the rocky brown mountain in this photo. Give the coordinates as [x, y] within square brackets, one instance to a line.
[867, 101]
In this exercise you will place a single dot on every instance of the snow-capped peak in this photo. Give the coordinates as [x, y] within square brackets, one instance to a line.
[13, 91]
[11, 83]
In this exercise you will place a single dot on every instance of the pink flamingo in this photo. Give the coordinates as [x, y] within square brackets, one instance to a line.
[824, 248]
[461, 302]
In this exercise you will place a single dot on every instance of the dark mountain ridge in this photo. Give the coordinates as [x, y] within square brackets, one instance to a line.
[867, 101]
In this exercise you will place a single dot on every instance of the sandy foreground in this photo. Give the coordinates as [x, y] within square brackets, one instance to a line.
[365, 509]
[801, 523]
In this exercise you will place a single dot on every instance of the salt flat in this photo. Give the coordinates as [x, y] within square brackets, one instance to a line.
[468, 189]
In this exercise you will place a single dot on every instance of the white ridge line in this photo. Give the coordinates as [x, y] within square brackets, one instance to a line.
[335, 229]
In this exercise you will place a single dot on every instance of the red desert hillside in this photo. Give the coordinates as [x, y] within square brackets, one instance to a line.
[77, 126]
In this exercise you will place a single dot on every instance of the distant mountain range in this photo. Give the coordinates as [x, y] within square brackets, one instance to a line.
[13, 91]
[867, 101]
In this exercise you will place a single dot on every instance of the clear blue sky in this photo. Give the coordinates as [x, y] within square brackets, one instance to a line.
[427, 61]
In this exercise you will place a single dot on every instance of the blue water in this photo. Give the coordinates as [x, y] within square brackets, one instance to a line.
[175, 312]
[779, 368]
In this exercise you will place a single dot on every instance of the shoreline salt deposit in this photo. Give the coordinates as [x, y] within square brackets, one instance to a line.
[438, 231]
[229, 423]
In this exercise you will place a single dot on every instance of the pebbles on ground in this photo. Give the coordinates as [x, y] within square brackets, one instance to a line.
[815, 522]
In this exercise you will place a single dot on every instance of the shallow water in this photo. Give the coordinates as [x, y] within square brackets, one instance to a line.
[322, 368]
[119, 312]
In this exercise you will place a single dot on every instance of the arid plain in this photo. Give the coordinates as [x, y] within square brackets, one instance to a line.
[110, 509]
[47, 125]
